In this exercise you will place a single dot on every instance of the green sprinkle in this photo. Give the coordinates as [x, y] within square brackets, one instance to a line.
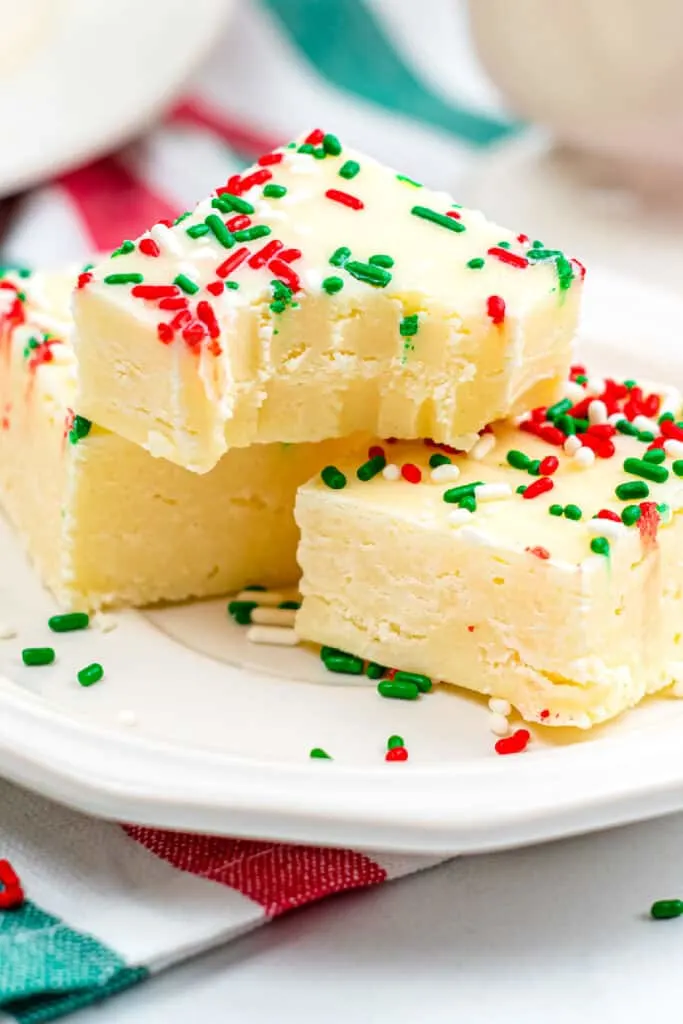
[395, 741]
[408, 181]
[662, 910]
[567, 424]
[633, 490]
[182, 217]
[332, 145]
[306, 147]
[90, 674]
[250, 234]
[475, 264]
[374, 670]
[600, 546]
[631, 514]
[38, 655]
[124, 248]
[656, 455]
[232, 284]
[368, 273]
[534, 467]
[67, 623]
[186, 283]
[80, 428]
[517, 459]
[291, 605]
[556, 510]
[565, 273]
[257, 587]
[469, 502]
[573, 512]
[503, 245]
[241, 611]
[677, 466]
[521, 489]
[630, 384]
[581, 378]
[349, 170]
[437, 459]
[123, 279]
[332, 285]
[537, 244]
[397, 691]
[340, 256]
[346, 664]
[536, 253]
[626, 427]
[333, 477]
[438, 218]
[409, 326]
[558, 409]
[237, 204]
[646, 436]
[666, 417]
[648, 470]
[371, 468]
[664, 511]
[581, 425]
[317, 753]
[197, 230]
[219, 231]
[382, 260]
[273, 191]
[455, 494]
[14, 268]
[423, 683]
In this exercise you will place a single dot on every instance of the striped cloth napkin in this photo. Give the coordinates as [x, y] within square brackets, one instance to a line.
[107, 905]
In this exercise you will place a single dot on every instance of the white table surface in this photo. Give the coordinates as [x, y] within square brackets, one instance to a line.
[558, 933]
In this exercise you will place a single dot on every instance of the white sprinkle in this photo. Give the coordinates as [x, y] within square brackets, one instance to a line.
[127, 717]
[572, 444]
[499, 725]
[273, 616]
[500, 706]
[167, 240]
[459, 516]
[584, 457]
[105, 622]
[485, 444]
[391, 471]
[645, 423]
[492, 492]
[275, 635]
[595, 386]
[673, 448]
[7, 632]
[446, 472]
[597, 412]
[573, 391]
[605, 528]
[615, 418]
[263, 598]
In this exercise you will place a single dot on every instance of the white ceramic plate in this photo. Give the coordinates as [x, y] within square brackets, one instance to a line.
[78, 77]
[223, 728]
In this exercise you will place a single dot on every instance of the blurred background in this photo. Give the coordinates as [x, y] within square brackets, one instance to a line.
[562, 121]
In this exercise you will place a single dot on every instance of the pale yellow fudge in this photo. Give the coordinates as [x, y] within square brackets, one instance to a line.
[315, 295]
[104, 522]
[523, 596]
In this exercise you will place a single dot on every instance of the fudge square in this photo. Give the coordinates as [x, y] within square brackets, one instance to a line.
[318, 294]
[544, 567]
[103, 521]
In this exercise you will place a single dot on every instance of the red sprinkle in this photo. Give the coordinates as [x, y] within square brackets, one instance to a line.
[648, 523]
[11, 893]
[495, 307]
[602, 430]
[523, 239]
[155, 291]
[604, 449]
[268, 159]
[540, 486]
[658, 442]
[505, 256]
[453, 214]
[374, 451]
[544, 714]
[651, 404]
[551, 435]
[285, 273]
[233, 262]
[257, 178]
[315, 137]
[514, 744]
[579, 266]
[166, 222]
[181, 320]
[214, 348]
[165, 333]
[538, 414]
[539, 551]
[396, 754]
[670, 429]
[606, 513]
[148, 247]
[83, 279]
[411, 472]
[215, 287]
[470, 629]
[266, 253]
[206, 315]
[353, 202]
[194, 333]
[238, 223]
[549, 465]
[289, 255]
[171, 303]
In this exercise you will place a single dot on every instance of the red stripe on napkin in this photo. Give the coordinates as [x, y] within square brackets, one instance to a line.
[241, 137]
[280, 877]
[112, 203]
